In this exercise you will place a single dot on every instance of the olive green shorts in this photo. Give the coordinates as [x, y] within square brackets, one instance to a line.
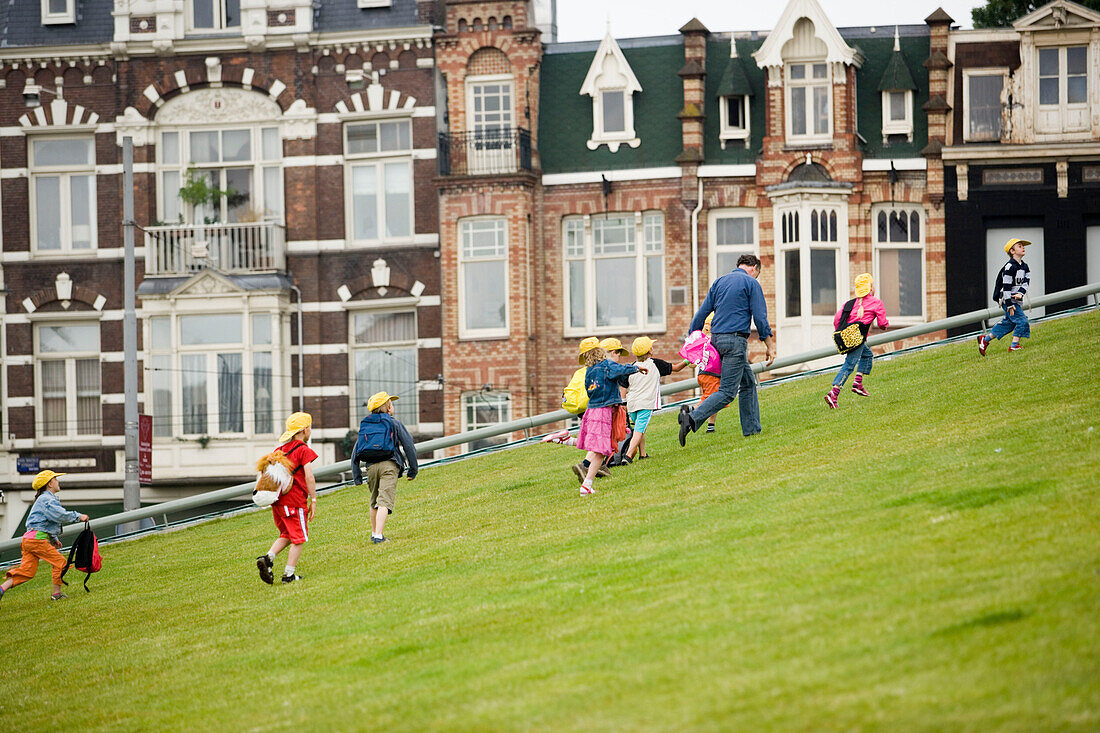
[382, 481]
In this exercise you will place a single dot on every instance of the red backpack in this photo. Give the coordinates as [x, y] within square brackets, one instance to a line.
[86, 553]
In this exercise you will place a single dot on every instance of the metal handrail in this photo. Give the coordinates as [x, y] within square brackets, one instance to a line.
[536, 421]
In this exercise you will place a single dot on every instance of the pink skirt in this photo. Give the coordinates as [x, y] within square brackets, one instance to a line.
[595, 433]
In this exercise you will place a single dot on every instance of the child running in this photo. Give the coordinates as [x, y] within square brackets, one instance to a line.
[596, 436]
[865, 310]
[41, 540]
[1009, 289]
[643, 396]
[384, 467]
[294, 510]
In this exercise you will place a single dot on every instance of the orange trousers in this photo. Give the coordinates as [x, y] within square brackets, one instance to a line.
[710, 385]
[33, 551]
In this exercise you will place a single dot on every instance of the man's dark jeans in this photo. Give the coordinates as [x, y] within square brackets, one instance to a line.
[738, 381]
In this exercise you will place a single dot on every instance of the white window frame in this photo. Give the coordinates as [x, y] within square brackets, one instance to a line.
[728, 131]
[712, 237]
[65, 174]
[877, 245]
[600, 135]
[69, 358]
[897, 127]
[1063, 106]
[968, 135]
[68, 16]
[219, 14]
[176, 350]
[501, 399]
[808, 83]
[257, 162]
[472, 82]
[464, 331]
[408, 390]
[374, 3]
[642, 251]
[379, 161]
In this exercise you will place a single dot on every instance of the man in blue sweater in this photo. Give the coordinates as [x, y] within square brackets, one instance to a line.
[736, 299]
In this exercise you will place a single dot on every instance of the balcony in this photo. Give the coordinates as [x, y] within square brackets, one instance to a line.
[485, 153]
[181, 249]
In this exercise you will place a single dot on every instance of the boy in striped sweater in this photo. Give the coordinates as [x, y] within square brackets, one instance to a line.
[1008, 291]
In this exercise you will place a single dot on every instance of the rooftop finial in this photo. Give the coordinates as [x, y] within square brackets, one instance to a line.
[897, 41]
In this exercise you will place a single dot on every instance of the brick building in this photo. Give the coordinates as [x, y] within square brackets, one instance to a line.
[284, 156]
[1023, 152]
[599, 188]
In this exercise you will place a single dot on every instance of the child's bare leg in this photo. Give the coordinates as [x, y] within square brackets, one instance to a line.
[380, 523]
[641, 446]
[293, 555]
[595, 460]
[636, 442]
[278, 546]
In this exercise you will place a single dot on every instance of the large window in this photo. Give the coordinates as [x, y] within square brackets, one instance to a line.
[211, 374]
[982, 91]
[1063, 89]
[809, 103]
[68, 380]
[384, 359]
[614, 273]
[215, 14]
[899, 261]
[490, 146]
[379, 177]
[483, 409]
[483, 277]
[239, 170]
[732, 234]
[63, 200]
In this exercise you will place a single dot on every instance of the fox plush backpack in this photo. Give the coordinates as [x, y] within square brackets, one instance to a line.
[276, 475]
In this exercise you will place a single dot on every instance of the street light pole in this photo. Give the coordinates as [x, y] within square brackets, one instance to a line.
[131, 489]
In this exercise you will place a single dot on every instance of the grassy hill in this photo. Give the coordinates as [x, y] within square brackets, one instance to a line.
[927, 559]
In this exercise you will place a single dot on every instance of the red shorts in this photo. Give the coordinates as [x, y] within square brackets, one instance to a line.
[291, 523]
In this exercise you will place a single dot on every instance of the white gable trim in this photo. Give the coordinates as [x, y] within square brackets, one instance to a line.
[608, 47]
[1062, 10]
[770, 52]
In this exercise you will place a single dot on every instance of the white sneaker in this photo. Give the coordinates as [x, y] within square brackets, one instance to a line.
[559, 437]
[586, 490]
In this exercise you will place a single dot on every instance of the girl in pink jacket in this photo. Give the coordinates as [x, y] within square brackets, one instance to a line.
[866, 310]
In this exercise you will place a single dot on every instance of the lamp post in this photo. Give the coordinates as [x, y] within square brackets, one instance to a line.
[131, 488]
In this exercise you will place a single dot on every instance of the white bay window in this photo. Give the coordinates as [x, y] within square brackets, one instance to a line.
[614, 273]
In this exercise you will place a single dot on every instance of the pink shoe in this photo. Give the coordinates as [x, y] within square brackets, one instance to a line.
[859, 390]
[559, 437]
[830, 400]
[983, 342]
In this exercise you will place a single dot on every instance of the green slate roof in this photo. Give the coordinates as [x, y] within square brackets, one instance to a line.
[897, 76]
[565, 116]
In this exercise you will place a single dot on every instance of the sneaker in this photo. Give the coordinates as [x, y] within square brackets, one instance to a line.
[983, 343]
[711, 428]
[587, 490]
[642, 458]
[58, 596]
[1015, 347]
[378, 540]
[291, 578]
[830, 400]
[603, 471]
[579, 471]
[559, 437]
[263, 564]
[686, 426]
[859, 390]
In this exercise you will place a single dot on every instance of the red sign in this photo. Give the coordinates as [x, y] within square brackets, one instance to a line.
[145, 450]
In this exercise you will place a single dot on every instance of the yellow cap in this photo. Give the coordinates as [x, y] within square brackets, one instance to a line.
[587, 345]
[295, 424]
[43, 478]
[710, 317]
[378, 399]
[612, 344]
[863, 284]
[642, 346]
[1013, 242]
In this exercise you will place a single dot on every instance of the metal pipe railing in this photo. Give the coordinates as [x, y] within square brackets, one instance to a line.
[535, 421]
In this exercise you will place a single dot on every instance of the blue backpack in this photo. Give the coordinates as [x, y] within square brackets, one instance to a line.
[376, 440]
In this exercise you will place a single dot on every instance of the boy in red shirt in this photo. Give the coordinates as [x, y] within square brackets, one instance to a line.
[294, 509]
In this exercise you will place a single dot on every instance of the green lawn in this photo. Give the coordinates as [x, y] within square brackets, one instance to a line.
[927, 559]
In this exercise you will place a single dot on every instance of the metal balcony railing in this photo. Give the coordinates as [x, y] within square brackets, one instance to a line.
[180, 249]
[488, 152]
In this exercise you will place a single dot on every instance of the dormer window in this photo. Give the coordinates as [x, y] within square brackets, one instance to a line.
[215, 15]
[611, 84]
[734, 112]
[897, 95]
[58, 11]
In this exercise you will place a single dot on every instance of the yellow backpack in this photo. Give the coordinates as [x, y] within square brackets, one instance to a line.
[575, 397]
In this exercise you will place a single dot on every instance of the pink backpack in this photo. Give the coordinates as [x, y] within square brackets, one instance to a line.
[699, 351]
